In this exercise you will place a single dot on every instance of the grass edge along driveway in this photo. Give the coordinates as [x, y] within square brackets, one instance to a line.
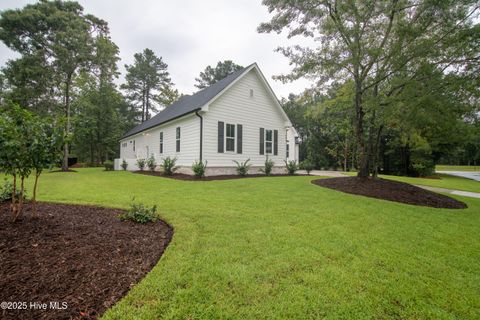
[276, 248]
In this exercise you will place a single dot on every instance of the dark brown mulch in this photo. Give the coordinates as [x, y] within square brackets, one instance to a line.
[390, 190]
[83, 256]
[187, 177]
[60, 170]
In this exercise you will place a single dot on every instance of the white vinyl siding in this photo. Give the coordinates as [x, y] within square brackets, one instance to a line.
[190, 146]
[236, 106]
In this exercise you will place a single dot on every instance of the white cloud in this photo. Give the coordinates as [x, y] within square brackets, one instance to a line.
[190, 35]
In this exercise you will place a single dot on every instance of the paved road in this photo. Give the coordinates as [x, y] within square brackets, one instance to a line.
[464, 174]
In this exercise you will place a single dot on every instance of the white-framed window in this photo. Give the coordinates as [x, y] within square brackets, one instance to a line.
[133, 145]
[287, 147]
[230, 137]
[161, 143]
[177, 136]
[268, 141]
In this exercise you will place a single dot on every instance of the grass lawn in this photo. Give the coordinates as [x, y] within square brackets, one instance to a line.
[277, 248]
[445, 181]
[456, 168]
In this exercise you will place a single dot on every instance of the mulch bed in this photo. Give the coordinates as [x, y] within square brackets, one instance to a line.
[83, 256]
[187, 177]
[390, 190]
[60, 170]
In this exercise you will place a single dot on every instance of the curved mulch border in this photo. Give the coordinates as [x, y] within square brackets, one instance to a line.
[390, 190]
[187, 177]
[60, 170]
[81, 255]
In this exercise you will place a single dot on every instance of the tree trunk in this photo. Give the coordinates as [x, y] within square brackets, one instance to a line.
[376, 151]
[359, 114]
[20, 200]
[345, 154]
[143, 105]
[34, 197]
[67, 122]
[147, 103]
[13, 206]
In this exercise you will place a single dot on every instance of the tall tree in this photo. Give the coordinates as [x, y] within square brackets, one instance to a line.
[213, 74]
[62, 37]
[148, 84]
[97, 121]
[379, 45]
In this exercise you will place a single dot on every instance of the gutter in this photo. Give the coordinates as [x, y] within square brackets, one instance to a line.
[158, 124]
[201, 133]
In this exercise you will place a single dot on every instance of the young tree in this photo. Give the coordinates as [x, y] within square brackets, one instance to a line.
[213, 74]
[28, 144]
[372, 43]
[61, 37]
[148, 84]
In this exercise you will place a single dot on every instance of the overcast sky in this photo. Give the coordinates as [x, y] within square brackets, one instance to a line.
[189, 35]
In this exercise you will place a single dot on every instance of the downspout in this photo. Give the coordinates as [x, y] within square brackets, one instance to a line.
[201, 133]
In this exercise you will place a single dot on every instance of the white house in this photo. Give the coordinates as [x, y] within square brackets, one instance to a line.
[237, 118]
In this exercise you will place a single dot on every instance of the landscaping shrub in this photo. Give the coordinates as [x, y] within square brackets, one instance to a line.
[108, 165]
[199, 168]
[168, 166]
[423, 169]
[6, 192]
[141, 164]
[124, 165]
[140, 213]
[151, 163]
[242, 167]
[291, 166]
[268, 167]
[307, 165]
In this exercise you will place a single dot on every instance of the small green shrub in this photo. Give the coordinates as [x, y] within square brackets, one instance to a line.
[423, 169]
[168, 166]
[108, 165]
[141, 164]
[6, 192]
[291, 166]
[307, 165]
[242, 167]
[140, 213]
[124, 165]
[199, 168]
[268, 166]
[151, 163]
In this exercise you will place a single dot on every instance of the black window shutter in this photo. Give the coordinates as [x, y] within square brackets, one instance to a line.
[275, 142]
[221, 136]
[262, 141]
[239, 138]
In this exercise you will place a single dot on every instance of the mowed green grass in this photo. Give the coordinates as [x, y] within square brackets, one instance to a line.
[283, 248]
[444, 181]
[457, 168]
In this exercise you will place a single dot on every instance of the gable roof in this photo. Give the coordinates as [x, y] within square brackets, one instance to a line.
[187, 104]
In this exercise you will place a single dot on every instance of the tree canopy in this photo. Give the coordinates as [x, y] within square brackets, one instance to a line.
[148, 84]
[382, 47]
[213, 74]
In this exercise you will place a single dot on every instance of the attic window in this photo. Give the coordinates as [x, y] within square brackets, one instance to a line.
[251, 93]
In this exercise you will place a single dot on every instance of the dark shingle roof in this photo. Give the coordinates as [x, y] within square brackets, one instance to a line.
[186, 104]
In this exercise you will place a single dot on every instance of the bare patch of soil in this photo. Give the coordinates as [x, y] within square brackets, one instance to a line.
[187, 177]
[390, 190]
[83, 256]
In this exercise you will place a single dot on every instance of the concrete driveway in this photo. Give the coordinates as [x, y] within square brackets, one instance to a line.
[474, 175]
